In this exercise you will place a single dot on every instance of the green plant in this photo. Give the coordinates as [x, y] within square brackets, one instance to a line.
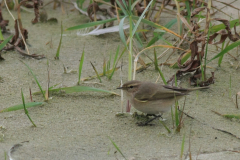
[182, 147]
[226, 49]
[132, 30]
[94, 68]
[115, 62]
[60, 43]
[80, 67]
[127, 10]
[5, 42]
[35, 78]
[158, 69]
[25, 109]
[230, 86]
[177, 123]
[80, 3]
[1, 36]
[114, 144]
[20, 106]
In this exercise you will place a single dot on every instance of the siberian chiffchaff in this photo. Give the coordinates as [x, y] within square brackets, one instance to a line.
[153, 98]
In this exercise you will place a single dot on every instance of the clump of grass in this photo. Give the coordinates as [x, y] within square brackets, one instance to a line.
[112, 70]
[132, 30]
[109, 71]
[25, 109]
[177, 114]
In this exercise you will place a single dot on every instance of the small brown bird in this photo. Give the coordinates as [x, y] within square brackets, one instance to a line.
[153, 98]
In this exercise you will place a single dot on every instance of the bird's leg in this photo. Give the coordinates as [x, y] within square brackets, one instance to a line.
[147, 122]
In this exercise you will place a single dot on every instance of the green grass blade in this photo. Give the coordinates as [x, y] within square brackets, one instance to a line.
[158, 36]
[80, 67]
[5, 42]
[80, 89]
[121, 54]
[114, 64]
[138, 40]
[116, 57]
[25, 109]
[1, 36]
[5, 155]
[182, 147]
[164, 125]
[91, 24]
[162, 76]
[104, 67]
[231, 116]
[54, 86]
[141, 17]
[188, 11]
[121, 32]
[60, 43]
[114, 144]
[183, 60]
[123, 7]
[158, 69]
[20, 106]
[155, 60]
[176, 115]
[23, 100]
[222, 26]
[109, 65]
[96, 72]
[134, 4]
[228, 48]
[155, 25]
[167, 42]
[230, 86]
[129, 6]
[92, 77]
[221, 57]
[175, 79]
[35, 78]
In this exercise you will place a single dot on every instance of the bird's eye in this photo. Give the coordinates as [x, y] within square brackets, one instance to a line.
[130, 86]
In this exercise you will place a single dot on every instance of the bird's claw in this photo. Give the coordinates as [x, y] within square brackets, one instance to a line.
[144, 124]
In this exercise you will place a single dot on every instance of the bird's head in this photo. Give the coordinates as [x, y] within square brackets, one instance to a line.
[131, 86]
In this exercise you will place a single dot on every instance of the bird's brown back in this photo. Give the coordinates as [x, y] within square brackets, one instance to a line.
[154, 91]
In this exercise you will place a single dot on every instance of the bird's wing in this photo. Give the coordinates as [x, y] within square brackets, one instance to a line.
[156, 91]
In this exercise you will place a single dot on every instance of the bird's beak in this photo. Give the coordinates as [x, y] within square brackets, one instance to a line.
[120, 88]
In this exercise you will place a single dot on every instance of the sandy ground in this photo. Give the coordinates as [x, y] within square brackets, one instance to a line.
[78, 125]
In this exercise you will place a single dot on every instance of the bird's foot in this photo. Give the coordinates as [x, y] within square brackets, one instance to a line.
[144, 124]
[148, 122]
